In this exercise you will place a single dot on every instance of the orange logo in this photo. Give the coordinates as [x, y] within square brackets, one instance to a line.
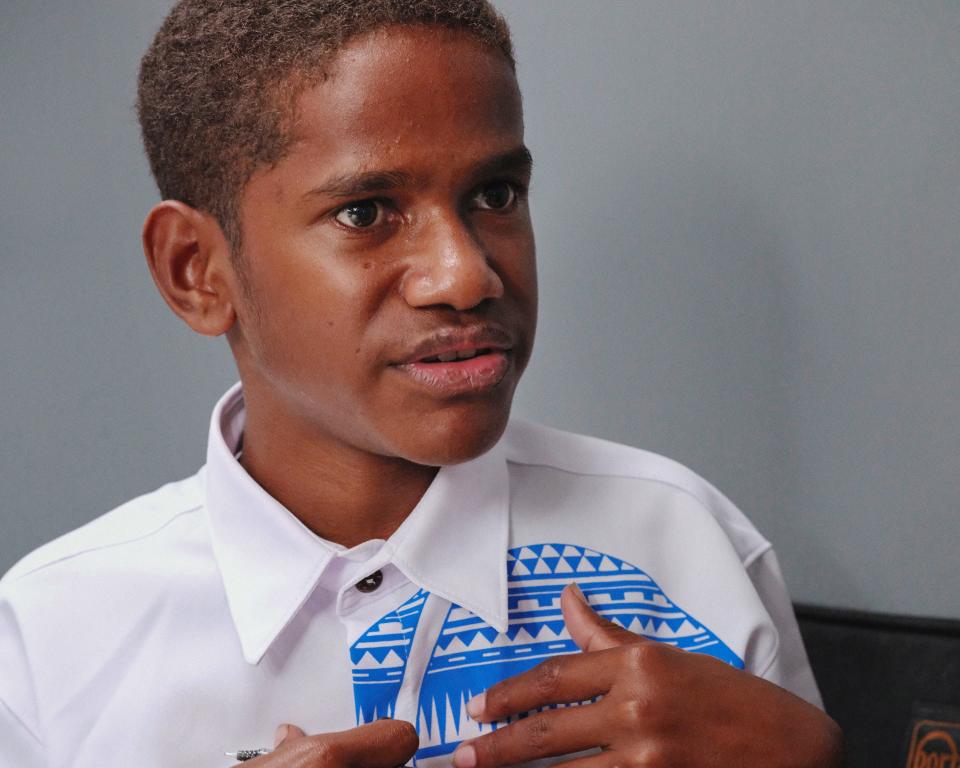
[934, 745]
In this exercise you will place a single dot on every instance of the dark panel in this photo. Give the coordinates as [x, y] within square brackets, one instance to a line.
[873, 668]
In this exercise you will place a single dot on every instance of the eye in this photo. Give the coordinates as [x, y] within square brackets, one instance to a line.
[497, 196]
[360, 215]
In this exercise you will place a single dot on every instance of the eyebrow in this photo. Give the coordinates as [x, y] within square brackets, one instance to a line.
[517, 160]
[360, 184]
[348, 185]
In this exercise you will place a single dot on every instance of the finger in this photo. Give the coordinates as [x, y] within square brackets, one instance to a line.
[286, 732]
[605, 759]
[546, 734]
[558, 680]
[381, 744]
[589, 630]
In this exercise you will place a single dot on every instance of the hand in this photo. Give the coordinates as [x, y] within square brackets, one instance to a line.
[382, 744]
[660, 706]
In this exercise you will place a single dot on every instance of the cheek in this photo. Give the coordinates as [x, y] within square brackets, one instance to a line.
[517, 266]
[311, 317]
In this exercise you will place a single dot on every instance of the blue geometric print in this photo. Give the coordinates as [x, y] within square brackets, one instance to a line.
[470, 656]
[379, 660]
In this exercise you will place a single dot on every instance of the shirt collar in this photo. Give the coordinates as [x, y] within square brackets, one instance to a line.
[452, 544]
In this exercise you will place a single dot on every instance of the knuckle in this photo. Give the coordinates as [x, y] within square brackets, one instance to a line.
[490, 749]
[647, 757]
[547, 676]
[640, 656]
[656, 755]
[634, 712]
[538, 732]
[629, 761]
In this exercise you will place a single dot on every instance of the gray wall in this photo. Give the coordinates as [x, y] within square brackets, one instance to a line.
[748, 220]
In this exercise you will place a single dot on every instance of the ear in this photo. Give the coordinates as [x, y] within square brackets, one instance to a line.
[189, 258]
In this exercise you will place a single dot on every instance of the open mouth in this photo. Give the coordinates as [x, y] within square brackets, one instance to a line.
[461, 372]
[449, 357]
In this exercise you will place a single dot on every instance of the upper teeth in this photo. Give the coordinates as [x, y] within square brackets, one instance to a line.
[465, 354]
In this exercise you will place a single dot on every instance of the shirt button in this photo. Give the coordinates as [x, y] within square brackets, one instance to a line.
[370, 583]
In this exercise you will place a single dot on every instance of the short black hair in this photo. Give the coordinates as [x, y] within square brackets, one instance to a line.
[218, 84]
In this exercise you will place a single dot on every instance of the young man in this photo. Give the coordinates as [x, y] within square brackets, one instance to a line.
[345, 200]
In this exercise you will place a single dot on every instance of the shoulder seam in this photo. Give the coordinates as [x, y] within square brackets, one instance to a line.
[745, 560]
[751, 557]
[87, 550]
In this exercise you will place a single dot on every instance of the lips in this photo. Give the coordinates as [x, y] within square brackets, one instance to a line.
[464, 342]
[456, 361]
[463, 354]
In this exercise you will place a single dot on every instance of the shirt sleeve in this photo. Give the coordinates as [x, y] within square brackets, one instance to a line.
[19, 730]
[789, 667]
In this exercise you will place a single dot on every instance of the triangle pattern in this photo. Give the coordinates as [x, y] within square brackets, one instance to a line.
[551, 563]
[526, 553]
[537, 573]
[542, 567]
[549, 551]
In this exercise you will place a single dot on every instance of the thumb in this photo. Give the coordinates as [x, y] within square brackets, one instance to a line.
[286, 732]
[590, 631]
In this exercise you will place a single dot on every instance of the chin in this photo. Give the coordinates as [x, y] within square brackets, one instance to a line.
[453, 438]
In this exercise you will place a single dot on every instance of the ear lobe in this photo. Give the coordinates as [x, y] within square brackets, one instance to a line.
[189, 259]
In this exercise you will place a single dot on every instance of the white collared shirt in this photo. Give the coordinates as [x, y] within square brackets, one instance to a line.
[193, 620]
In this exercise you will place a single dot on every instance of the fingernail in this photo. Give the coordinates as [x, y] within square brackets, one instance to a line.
[465, 756]
[575, 588]
[476, 704]
[280, 734]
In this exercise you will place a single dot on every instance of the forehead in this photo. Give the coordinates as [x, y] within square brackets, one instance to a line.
[404, 89]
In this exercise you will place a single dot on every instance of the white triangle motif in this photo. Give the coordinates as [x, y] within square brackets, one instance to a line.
[526, 553]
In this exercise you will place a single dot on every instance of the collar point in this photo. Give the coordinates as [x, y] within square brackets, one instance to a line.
[253, 654]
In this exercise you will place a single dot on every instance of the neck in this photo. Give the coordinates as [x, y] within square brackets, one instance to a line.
[339, 492]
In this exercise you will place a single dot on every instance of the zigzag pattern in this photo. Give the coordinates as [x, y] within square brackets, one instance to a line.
[379, 660]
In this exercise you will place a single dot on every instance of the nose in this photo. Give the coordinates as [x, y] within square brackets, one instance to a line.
[450, 267]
